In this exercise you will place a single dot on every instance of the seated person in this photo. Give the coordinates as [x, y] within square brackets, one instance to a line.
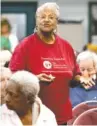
[23, 107]
[88, 66]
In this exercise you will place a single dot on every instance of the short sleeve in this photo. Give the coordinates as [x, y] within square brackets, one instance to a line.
[19, 58]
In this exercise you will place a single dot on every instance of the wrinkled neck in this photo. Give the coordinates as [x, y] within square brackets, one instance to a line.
[25, 111]
[47, 37]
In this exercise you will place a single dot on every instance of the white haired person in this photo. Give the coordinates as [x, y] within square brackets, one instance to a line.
[88, 66]
[52, 59]
[23, 107]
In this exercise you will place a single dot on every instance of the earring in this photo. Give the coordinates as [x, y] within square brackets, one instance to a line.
[55, 30]
[35, 30]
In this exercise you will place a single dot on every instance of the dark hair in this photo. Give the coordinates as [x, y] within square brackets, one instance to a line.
[4, 21]
[84, 48]
[6, 64]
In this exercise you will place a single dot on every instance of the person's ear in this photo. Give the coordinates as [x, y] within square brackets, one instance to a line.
[30, 100]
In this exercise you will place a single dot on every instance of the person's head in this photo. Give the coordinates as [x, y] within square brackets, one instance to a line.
[21, 91]
[5, 56]
[5, 26]
[88, 63]
[47, 17]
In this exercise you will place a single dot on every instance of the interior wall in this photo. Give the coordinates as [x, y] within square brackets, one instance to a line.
[73, 33]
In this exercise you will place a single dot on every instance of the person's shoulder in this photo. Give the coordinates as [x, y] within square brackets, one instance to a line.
[25, 42]
[28, 40]
[47, 111]
[12, 35]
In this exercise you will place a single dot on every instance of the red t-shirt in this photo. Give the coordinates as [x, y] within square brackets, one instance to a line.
[58, 59]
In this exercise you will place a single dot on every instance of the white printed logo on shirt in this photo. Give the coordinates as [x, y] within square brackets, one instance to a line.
[47, 64]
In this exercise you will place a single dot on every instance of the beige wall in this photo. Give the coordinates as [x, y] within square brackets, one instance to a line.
[73, 33]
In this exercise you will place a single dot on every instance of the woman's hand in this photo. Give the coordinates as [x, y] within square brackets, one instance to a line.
[45, 77]
[87, 82]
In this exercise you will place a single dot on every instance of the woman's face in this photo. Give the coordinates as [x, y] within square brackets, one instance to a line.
[14, 99]
[87, 67]
[46, 20]
[5, 29]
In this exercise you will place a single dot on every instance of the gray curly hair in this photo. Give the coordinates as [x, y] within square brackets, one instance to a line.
[50, 5]
[28, 83]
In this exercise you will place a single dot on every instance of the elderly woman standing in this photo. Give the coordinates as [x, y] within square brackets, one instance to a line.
[23, 107]
[88, 66]
[52, 59]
